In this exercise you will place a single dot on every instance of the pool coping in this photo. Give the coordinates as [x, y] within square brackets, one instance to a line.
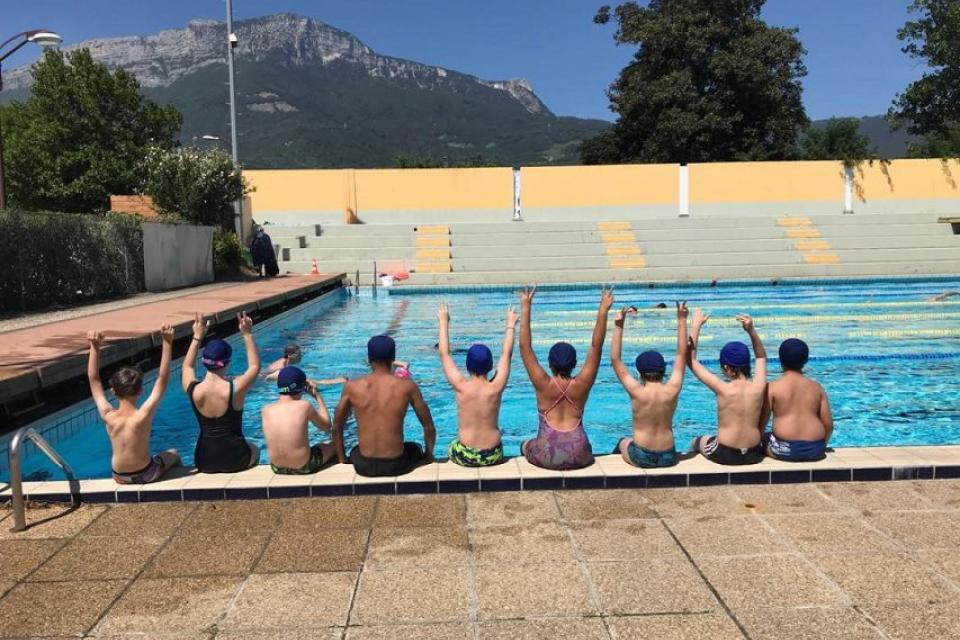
[516, 474]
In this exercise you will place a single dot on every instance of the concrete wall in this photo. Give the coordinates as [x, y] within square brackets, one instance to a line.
[618, 192]
[176, 255]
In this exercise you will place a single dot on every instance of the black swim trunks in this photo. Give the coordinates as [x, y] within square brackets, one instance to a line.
[380, 467]
[713, 450]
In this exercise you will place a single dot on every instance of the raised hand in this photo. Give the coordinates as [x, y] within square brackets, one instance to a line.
[96, 339]
[526, 295]
[682, 311]
[624, 312]
[606, 298]
[511, 317]
[166, 332]
[700, 318]
[245, 322]
[443, 313]
[746, 321]
[200, 327]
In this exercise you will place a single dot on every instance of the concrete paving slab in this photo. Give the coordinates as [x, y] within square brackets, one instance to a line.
[19, 557]
[521, 544]
[331, 633]
[54, 522]
[192, 554]
[400, 547]
[946, 562]
[553, 589]
[306, 515]
[919, 529]
[555, 629]
[693, 502]
[98, 559]
[55, 608]
[292, 600]
[843, 623]
[907, 621]
[877, 496]
[493, 509]
[608, 505]
[140, 520]
[791, 498]
[623, 540]
[943, 494]
[214, 518]
[421, 511]
[413, 631]
[435, 594]
[708, 626]
[829, 533]
[765, 582]
[313, 552]
[885, 578]
[654, 585]
[725, 536]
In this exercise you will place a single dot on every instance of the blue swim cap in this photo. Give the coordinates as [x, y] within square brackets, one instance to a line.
[651, 362]
[381, 349]
[217, 354]
[563, 357]
[794, 353]
[479, 360]
[291, 381]
[736, 355]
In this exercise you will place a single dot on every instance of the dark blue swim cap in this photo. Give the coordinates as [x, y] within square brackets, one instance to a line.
[291, 381]
[217, 354]
[563, 357]
[381, 349]
[651, 362]
[794, 353]
[479, 360]
[736, 355]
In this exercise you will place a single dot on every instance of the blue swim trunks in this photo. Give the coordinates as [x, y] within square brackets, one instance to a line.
[642, 457]
[794, 450]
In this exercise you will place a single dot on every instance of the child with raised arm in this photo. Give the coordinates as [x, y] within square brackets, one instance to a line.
[561, 441]
[285, 426]
[653, 400]
[802, 421]
[739, 400]
[129, 426]
[217, 400]
[478, 399]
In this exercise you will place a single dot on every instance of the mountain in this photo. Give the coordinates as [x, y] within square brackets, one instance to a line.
[885, 142]
[311, 95]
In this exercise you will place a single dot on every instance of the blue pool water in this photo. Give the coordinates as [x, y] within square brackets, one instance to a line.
[889, 359]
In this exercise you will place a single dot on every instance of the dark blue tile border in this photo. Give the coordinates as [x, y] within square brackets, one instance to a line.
[203, 494]
[459, 486]
[750, 477]
[292, 491]
[873, 474]
[100, 497]
[667, 481]
[549, 482]
[246, 493]
[708, 479]
[173, 495]
[50, 497]
[128, 496]
[913, 473]
[500, 484]
[832, 475]
[946, 471]
[637, 481]
[583, 482]
[328, 490]
[426, 486]
[790, 476]
[375, 489]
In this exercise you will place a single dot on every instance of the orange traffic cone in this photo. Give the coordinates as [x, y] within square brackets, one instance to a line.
[314, 271]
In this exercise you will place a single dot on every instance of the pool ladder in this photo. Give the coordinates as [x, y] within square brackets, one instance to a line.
[16, 475]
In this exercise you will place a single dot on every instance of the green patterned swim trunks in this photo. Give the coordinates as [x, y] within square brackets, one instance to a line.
[466, 456]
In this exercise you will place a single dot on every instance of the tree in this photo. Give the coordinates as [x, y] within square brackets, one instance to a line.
[930, 107]
[710, 81]
[81, 135]
[838, 139]
[195, 185]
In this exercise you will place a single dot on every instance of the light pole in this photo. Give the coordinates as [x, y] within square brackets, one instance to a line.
[231, 45]
[42, 37]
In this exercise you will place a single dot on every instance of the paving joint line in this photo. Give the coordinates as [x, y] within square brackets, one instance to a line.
[362, 569]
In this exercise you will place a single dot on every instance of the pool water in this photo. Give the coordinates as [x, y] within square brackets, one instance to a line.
[888, 357]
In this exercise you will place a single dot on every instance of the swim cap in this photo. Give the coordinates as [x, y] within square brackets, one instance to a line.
[479, 360]
[651, 362]
[403, 373]
[291, 350]
[381, 349]
[735, 354]
[291, 381]
[217, 354]
[563, 357]
[794, 353]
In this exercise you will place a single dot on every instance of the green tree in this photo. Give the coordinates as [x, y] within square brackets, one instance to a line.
[81, 135]
[194, 185]
[930, 107]
[710, 81]
[838, 139]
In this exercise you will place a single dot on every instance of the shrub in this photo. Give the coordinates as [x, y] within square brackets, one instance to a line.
[64, 258]
[227, 252]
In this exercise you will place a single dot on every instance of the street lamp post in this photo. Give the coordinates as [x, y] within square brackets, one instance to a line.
[231, 45]
[43, 38]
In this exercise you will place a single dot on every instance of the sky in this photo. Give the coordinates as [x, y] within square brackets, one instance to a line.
[853, 56]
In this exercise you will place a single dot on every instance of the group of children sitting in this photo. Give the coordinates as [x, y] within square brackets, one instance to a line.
[379, 401]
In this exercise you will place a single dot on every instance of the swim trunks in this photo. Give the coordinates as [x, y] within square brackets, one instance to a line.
[381, 467]
[643, 457]
[794, 450]
[312, 465]
[465, 456]
[150, 473]
[713, 450]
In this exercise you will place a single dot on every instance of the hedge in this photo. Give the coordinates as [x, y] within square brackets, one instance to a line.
[66, 258]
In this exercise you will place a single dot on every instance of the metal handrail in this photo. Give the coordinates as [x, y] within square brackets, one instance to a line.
[16, 479]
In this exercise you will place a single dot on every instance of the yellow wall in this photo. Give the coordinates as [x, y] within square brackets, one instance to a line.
[432, 189]
[736, 182]
[909, 180]
[298, 189]
[587, 186]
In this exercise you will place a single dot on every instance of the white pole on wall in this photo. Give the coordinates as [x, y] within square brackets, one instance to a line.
[516, 195]
[848, 189]
[684, 194]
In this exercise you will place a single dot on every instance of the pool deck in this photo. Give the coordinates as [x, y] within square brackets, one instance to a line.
[40, 357]
[608, 472]
[789, 562]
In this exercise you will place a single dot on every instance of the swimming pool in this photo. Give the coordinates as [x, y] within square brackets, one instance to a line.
[888, 357]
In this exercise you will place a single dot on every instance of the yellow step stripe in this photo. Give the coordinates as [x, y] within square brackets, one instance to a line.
[628, 263]
[821, 258]
[433, 267]
[438, 241]
[434, 230]
[794, 222]
[803, 233]
[614, 237]
[426, 254]
[619, 225]
[624, 250]
[812, 245]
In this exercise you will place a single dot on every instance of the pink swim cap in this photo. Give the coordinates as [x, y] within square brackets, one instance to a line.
[402, 372]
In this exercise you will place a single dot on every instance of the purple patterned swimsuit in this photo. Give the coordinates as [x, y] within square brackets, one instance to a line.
[555, 449]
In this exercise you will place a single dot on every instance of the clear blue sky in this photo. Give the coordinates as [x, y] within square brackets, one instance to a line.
[854, 59]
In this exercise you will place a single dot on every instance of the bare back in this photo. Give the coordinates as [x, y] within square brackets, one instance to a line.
[563, 413]
[212, 396]
[380, 401]
[654, 405]
[285, 431]
[796, 402]
[129, 433]
[739, 404]
[478, 412]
